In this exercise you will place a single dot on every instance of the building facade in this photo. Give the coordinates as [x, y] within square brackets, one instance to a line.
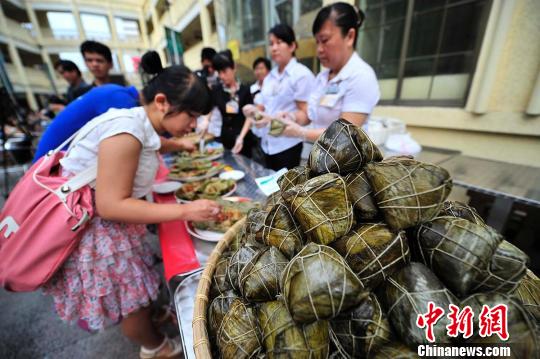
[462, 74]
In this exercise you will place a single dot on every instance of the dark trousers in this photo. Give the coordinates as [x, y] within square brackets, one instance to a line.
[289, 158]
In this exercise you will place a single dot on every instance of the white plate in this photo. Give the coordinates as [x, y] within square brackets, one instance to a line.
[233, 189]
[233, 175]
[210, 236]
[166, 187]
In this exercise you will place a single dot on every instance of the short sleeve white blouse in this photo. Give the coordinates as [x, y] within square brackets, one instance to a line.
[353, 89]
[132, 121]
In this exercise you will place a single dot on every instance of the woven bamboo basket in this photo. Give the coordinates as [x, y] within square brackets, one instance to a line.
[201, 344]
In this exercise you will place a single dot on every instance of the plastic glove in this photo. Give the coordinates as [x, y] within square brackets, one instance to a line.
[239, 144]
[249, 110]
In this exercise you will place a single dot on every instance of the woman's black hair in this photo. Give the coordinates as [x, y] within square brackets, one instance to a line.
[223, 60]
[343, 15]
[285, 33]
[262, 60]
[184, 90]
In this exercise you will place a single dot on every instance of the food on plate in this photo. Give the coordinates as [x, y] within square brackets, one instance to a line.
[211, 188]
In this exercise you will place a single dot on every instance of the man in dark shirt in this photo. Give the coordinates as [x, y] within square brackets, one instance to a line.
[71, 73]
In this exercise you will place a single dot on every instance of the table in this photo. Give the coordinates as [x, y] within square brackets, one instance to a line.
[508, 183]
[184, 257]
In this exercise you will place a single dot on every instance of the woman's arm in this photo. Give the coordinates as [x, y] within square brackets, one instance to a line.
[355, 118]
[118, 159]
[300, 116]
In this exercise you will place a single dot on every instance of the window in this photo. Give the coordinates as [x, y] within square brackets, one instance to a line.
[423, 51]
[63, 25]
[253, 21]
[127, 29]
[285, 12]
[96, 27]
[131, 62]
[309, 5]
[76, 57]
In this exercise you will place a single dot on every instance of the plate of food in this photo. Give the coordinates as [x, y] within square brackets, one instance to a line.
[233, 209]
[210, 153]
[211, 188]
[190, 170]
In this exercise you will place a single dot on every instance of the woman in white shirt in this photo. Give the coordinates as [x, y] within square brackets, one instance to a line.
[261, 69]
[109, 276]
[347, 88]
[286, 88]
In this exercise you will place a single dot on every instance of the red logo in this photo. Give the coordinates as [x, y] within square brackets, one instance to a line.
[492, 320]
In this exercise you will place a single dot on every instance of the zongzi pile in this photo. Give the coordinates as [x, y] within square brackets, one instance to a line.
[460, 210]
[343, 148]
[281, 231]
[373, 252]
[363, 331]
[458, 251]
[283, 338]
[408, 192]
[322, 207]
[361, 195]
[523, 334]
[239, 335]
[528, 292]
[508, 265]
[406, 295]
[293, 177]
[318, 284]
[259, 279]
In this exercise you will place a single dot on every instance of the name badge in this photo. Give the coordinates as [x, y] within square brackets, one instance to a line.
[231, 107]
[332, 89]
[329, 100]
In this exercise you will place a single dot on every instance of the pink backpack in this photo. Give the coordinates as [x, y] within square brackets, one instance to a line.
[42, 220]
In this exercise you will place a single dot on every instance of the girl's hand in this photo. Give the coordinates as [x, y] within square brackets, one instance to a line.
[202, 210]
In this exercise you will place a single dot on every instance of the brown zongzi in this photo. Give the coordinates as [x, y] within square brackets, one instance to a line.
[322, 208]
[458, 251]
[373, 252]
[293, 177]
[318, 284]
[461, 210]
[239, 335]
[406, 295]
[408, 192]
[343, 148]
[259, 279]
[363, 331]
[528, 292]
[283, 338]
[361, 195]
[281, 231]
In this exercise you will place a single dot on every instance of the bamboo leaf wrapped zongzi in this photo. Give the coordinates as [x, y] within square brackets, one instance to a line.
[218, 308]
[259, 279]
[237, 262]
[318, 284]
[406, 295]
[322, 208]
[281, 231]
[508, 265]
[408, 192]
[528, 292]
[363, 331]
[283, 338]
[361, 195]
[293, 177]
[373, 252]
[239, 335]
[458, 251]
[343, 148]
[523, 334]
[461, 210]
[220, 284]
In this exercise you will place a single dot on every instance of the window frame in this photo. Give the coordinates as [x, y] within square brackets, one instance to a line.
[408, 19]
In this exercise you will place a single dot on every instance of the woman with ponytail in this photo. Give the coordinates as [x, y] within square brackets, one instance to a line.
[109, 277]
[348, 87]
